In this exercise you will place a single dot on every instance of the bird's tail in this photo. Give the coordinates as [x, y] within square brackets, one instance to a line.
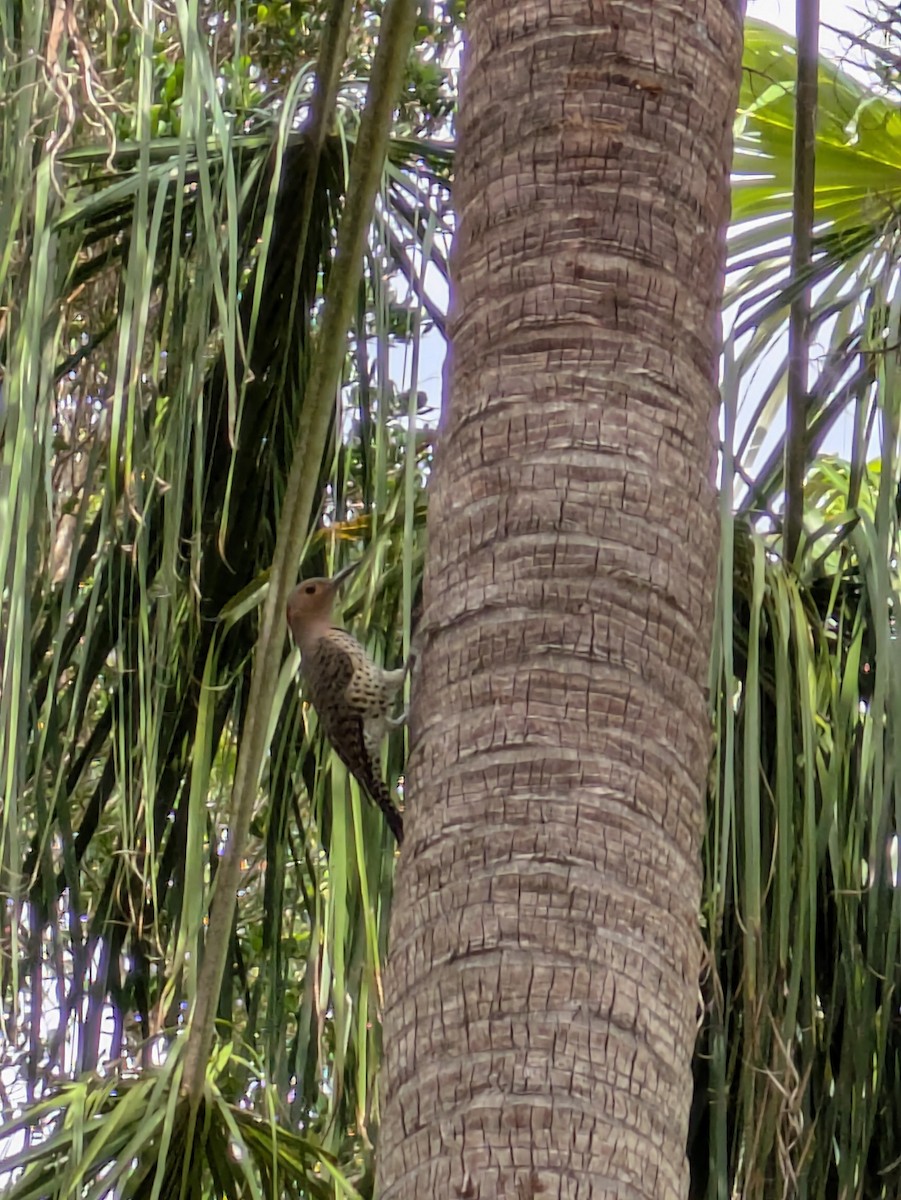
[378, 790]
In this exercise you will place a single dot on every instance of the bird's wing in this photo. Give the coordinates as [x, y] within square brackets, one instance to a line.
[330, 671]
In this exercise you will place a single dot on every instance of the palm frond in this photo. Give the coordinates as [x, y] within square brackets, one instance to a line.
[162, 301]
[853, 270]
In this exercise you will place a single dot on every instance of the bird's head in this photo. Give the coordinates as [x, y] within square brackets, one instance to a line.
[310, 605]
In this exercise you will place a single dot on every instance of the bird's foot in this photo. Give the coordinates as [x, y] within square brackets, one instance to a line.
[397, 722]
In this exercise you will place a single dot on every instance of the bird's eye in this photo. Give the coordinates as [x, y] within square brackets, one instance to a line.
[310, 589]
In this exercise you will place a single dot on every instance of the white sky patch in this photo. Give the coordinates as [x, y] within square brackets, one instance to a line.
[832, 12]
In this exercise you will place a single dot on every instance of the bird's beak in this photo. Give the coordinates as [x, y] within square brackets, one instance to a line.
[344, 572]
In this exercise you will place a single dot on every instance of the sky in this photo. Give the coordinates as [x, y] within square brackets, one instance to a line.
[832, 12]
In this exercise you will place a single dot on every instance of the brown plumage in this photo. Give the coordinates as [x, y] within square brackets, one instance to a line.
[352, 695]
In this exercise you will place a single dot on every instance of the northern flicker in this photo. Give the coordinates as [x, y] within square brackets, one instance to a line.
[351, 694]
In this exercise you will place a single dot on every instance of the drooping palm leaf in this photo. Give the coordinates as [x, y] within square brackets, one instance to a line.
[801, 1054]
[172, 299]
[798, 1069]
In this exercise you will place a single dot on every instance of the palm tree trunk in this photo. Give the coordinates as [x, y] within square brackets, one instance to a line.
[542, 989]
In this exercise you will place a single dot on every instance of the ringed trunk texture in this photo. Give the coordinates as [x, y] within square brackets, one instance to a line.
[543, 980]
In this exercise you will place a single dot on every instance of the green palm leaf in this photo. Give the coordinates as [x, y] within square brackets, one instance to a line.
[163, 300]
[858, 189]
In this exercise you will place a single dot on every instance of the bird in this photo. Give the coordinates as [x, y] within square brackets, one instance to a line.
[352, 695]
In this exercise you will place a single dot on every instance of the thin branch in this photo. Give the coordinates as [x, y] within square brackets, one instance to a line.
[808, 19]
[365, 174]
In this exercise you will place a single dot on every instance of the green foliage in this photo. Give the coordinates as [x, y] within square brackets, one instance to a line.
[137, 1136]
[798, 1070]
[162, 300]
[801, 1052]
[855, 314]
